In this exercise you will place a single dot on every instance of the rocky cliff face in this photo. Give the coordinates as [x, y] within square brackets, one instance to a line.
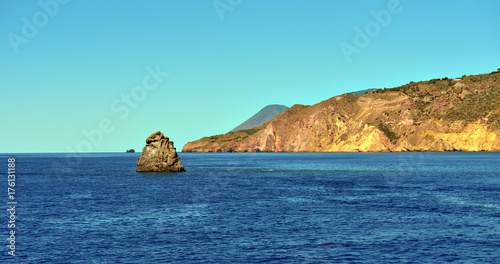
[159, 155]
[437, 115]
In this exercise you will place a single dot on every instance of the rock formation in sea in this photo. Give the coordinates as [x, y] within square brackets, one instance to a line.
[461, 114]
[159, 155]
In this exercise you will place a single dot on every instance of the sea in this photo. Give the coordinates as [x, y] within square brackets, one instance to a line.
[253, 208]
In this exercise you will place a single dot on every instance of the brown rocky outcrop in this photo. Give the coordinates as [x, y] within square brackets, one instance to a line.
[159, 155]
[436, 115]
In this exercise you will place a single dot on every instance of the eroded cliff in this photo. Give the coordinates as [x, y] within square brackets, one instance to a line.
[437, 115]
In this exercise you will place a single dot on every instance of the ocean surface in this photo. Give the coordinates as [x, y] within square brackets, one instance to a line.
[256, 208]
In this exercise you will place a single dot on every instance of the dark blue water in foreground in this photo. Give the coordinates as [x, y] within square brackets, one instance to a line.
[257, 207]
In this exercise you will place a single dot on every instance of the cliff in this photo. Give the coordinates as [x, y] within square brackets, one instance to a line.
[437, 115]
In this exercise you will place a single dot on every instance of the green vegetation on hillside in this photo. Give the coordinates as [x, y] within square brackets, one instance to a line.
[251, 131]
[393, 137]
[468, 98]
[232, 136]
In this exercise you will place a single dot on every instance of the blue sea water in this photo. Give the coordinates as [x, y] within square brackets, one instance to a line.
[257, 208]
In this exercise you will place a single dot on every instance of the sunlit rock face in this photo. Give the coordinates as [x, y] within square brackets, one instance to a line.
[159, 155]
[436, 115]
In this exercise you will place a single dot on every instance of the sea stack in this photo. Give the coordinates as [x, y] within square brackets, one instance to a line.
[159, 155]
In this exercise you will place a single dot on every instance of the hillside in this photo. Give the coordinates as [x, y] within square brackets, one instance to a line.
[436, 115]
[263, 116]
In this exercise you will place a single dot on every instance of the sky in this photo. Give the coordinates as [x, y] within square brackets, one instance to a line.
[101, 76]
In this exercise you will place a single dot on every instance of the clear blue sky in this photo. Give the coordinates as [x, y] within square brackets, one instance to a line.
[75, 61]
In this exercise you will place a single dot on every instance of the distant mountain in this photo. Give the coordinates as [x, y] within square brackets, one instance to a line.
[362, 91]
[264, 115]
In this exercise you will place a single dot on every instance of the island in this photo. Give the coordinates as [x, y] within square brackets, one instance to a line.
[444, 114]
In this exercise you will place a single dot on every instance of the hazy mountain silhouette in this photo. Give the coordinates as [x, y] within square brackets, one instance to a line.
[264, 115]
